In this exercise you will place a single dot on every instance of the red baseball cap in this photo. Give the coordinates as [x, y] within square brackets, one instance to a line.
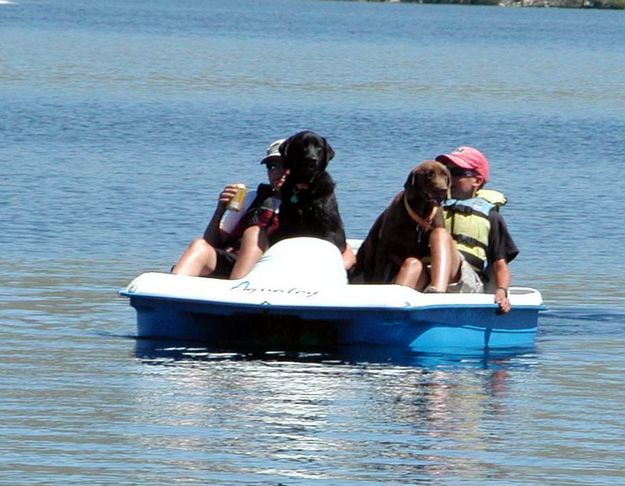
[467, 158]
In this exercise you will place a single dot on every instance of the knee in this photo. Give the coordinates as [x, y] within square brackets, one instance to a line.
[441, 241]
[412, 265]
[199, 245]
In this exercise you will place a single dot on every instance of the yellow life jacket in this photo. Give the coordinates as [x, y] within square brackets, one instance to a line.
[494, 197]
[467, 222]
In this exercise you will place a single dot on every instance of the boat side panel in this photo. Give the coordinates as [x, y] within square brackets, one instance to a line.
[423, 329]
[224, 325]
[431, 329]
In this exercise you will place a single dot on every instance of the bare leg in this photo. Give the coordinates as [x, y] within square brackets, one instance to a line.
[411, 274]
[199, 259]
[445, 260]
[253, 245]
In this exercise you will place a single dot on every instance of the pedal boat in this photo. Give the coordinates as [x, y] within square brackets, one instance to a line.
[298, 293]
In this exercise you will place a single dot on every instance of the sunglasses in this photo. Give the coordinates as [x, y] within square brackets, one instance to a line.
[274, 165]
[459, 172]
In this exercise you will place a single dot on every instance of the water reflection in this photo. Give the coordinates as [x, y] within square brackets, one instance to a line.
[360, 411]
[171, 352]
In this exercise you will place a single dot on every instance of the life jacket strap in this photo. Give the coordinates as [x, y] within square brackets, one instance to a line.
[469, 241]
[465, 210]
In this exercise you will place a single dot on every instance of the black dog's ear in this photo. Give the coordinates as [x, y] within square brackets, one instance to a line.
[284, 147]
[409, 181]
[329, 151]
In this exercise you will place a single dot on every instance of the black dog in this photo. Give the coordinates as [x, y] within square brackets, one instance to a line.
[308, 206]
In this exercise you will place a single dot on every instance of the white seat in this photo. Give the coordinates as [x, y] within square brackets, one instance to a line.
[300, 261]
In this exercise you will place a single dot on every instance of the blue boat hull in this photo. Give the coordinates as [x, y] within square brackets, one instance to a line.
[423, 329]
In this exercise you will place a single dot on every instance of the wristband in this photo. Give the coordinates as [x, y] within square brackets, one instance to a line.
[505, 290]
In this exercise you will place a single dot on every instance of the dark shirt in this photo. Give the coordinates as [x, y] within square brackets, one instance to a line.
[500, 243]
[263, 212]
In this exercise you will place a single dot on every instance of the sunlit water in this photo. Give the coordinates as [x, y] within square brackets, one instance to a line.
[121, 121]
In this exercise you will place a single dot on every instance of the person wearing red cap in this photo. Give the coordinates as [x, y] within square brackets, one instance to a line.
[472, 218]
[233, 241]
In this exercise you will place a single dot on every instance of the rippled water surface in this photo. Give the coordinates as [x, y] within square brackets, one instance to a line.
[122, 120]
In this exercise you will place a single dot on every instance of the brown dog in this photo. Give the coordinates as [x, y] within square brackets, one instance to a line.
[403, 229]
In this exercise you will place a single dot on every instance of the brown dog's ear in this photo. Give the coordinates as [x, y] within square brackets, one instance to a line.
[445, 171]
[410, 180]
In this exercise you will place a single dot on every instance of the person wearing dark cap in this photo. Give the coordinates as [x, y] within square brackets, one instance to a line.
[472, 218]
[234, 240]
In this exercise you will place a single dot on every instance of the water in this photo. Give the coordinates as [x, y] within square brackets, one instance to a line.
[122, 120]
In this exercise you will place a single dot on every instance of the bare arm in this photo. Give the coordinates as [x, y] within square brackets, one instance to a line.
[212, 233]
[253, 245]
[501, 272]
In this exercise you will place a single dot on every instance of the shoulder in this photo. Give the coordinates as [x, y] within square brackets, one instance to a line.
[495, 216]
[264, 191]
[494, 197]
[497, 221]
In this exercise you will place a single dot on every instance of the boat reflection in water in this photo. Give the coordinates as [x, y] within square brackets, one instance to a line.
[373, 406]
[153, 351]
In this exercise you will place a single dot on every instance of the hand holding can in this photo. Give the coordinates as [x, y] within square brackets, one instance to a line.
[227, 193]
[236, 203]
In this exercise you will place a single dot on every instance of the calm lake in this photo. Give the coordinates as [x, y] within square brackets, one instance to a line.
[120, 121]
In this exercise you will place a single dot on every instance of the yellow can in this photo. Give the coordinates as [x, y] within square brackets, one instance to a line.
[236, 203]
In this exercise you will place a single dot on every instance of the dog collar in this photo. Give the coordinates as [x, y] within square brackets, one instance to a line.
[426, 223]
[296, 190]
